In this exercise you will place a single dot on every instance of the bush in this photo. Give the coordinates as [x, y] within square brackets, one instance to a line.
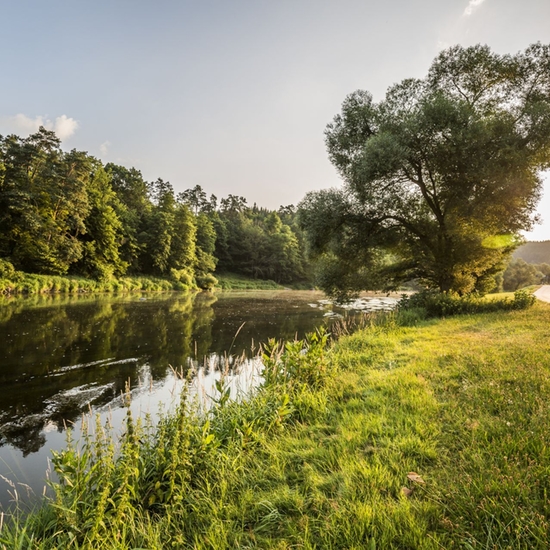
[206, 281]
[182, 276]
[523, 299]
[7, 271]
[441, 304]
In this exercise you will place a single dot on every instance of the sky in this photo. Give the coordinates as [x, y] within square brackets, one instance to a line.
[233, 96]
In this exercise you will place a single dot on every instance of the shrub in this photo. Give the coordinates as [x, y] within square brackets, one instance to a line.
[523, 299]
[441, 304]
[182, 276]
[206, 281]
[7, 271]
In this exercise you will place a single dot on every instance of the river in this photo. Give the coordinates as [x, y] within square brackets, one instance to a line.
[62, 356]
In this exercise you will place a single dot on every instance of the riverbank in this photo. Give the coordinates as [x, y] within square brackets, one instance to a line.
[28, 283]
[233, 281]
[426, 437]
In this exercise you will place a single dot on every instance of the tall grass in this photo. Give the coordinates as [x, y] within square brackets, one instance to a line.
[233, 281]
[154, 486]
[26, 283]
[403, 437]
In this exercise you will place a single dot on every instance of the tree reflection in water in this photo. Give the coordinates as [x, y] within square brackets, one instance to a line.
[62, 355]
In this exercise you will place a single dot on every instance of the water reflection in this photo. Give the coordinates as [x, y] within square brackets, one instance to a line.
[62, 355]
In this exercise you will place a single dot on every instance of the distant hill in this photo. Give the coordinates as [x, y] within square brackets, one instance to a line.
[534, 252]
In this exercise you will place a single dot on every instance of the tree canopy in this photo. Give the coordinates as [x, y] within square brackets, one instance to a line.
[66, 213]
[439, 176]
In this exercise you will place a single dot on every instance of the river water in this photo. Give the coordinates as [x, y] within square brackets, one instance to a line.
[63, 356]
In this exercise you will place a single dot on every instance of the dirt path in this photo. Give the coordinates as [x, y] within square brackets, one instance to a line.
[543, 293]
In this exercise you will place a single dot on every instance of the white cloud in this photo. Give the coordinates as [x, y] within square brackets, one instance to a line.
[472, 6]
[63, 126]
[104, 147]
[25, 123]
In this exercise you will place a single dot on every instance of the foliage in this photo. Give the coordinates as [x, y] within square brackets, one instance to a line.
[43, 203]
[26, 283]
[439, 177]
[107, 490]
[205, 261]
[443, 304]
[67, 213]
[256, 243]
[101, 258]
[206, 281]
[233, 281]
[519, 274]
[134, 209]
[7, 271]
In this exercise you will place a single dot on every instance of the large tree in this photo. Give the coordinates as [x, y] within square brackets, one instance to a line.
[43, 202]
[439, 177]
[104, 235]
[134, 211]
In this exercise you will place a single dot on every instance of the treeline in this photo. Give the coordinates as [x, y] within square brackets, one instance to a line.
[530, 265]
[67, 213]
[520, 274]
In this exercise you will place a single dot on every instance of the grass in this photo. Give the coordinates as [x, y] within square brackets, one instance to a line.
[234, 281]
[324, 455]
[499, 296]
[27, 283]
[430, 303]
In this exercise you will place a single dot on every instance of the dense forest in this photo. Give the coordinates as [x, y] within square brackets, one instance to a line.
[68, 213]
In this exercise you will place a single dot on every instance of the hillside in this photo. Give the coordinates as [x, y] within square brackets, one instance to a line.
[534, 252]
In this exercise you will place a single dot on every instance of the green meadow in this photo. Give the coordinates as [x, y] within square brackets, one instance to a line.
[410, 433]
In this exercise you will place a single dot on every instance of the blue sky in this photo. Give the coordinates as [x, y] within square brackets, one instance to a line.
[232, 95]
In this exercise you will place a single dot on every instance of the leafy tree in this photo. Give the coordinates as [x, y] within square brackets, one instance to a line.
[440, 176]
[520, 274]
[255, 242]
[233, 203]
[104, 230]
[195, 198]
[43, 203]
[65, 212]
[159, 229]
[183, 241]
[206, 245]
[285, 263]
[133, 210]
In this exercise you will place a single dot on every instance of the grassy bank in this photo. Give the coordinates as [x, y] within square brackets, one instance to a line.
[27, 283]
[233, 281]
[435, 436]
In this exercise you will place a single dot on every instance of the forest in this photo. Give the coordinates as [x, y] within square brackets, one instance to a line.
[67, 213]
